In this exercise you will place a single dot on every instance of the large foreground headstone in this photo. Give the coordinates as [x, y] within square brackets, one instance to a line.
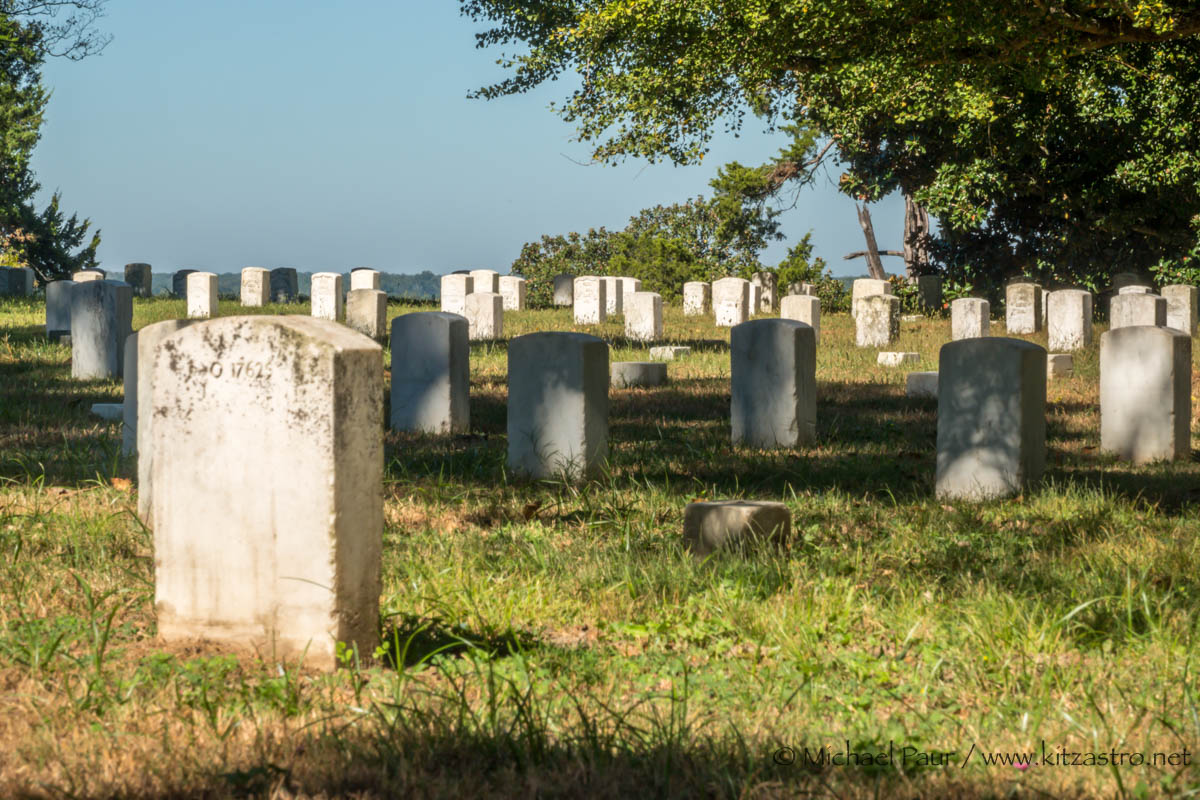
[485, 280]
[364, 278]
[709, 526]
[773, 374]
[139, 388]
[731, 301]
[557, 404]
[431, 373]
[140, 277]
[991, 422]
[1145, 393]
[485, 316]
[867, 287]
[591, 300]
[643, 316]
[877, 322]
[969, 318]
[202, 294]
[256, 287]
[58, 309]
[1136, 309]
[512, 290]
[697, 298]
[366, 312]
[804, 308]
[564, 290]
[1181, 308]
[326, 294]
[455, 288]
[285, 285]
[268, 473]
[179, 282]
[1023, 308]
[1069, 319]
[101, 318]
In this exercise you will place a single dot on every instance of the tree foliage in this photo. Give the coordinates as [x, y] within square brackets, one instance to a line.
[1060, 139]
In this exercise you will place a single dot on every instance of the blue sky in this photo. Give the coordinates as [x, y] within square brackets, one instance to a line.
[327, 136]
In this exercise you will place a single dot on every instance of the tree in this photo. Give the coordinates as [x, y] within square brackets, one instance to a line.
[1060, 139]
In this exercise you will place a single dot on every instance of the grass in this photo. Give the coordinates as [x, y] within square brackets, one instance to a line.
[556, 641]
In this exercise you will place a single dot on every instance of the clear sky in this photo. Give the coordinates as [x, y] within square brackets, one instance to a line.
[324, 135]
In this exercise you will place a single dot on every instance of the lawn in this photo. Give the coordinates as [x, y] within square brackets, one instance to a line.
[550, 640]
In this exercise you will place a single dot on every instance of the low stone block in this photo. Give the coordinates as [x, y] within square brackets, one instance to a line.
[969, 318]
[1145, 393]
[455, 288]
[1181, 308]
[1129, 310]
[1060, 365]
[773, 380]
[1069, 319]
[697, 298]
[364, 278]
[643, 316]
[669, 352]
[877, 323]
[921, 384]
[804, 308]
[140, 277]
[591, 300]
[431, 373]
[564, 290]
[485, 316]
[326, 294]
[897, 359]
[731, 301]
[366, 312]
[109, 412]
[735, 525]
[255, 287]
[101, 319]
[201, 294]
[631, 374]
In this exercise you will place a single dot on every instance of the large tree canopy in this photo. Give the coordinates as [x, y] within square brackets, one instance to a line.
[1057, 138]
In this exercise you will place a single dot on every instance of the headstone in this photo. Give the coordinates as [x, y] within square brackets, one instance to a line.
[431, 373]
[897, 359]
[256, 287]
[731, 301]
[877, 322]
[366, 312]
[326, 294]
[1069, 319]
[1145, 393]
[101, 318]
[709, 526]
[557, 404]
[697, 298]
[804, 308]
[591, 300]
[485, 280]
[455, 288]
[669, 352]
[364, 278]
[768, 291]
[991, 421]
[485, 316]
[1128, 310]
[1023, 308]
[268, 430]
[1181, 308]
[141, 278]
[564, 290]
[1136, 289]
[773, 375]
[1059, 365]
[138, 408]
[867, 287]
[201, 294]
[629, 287]
[285, 285]
[921, 384]
[58, 309]
[614, 295]
[1123, 279]
[969, 318]
[929, 293]
[179, 282]
[512, 290]
[643, 317]
[631, 374]
[17, 281]
[84, 275]
[755, 301]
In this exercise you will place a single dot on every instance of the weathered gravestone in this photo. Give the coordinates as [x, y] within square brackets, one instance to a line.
[631, 374]
[268, 472]
[591, 300]
[101, 318]
[643, 316]
[669, 352]
[84, 275]
[16, 281]
[326, 296]
[455, 288]
[564, 290]
[364, 278]
[739, 525]
[1181, 308]
[773, 378]
[179, 282]
[1145, 393]
[629, 287]
[1023, 308]
[1139, 289]
[1069, 319]
[285, 285]
[431, 373]
[867, 287]
[1059, 365]
[58, 309]
[768, 291]
[201, 294]
[921, 384]
[137, 414]
[141, 278]
[557, 404]
[1135, 309]
[970, 318]
[897, 359]
[991, 421]
[485, 316]
[731, 301]
[929, 292]
[877, 322]
[804, 308]
[513, 289]
[485, 280]
[256, 287]
[614, 295]
[697, 298]
[366, 312]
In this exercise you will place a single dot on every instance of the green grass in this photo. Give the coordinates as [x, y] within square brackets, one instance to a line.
[551, 640]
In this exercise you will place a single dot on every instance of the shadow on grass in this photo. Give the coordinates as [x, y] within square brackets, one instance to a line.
[412, 640]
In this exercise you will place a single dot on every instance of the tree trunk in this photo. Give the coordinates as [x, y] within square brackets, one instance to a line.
[916, 238]
[874, 264]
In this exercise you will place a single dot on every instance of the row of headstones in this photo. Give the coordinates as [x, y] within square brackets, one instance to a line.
[482, 296]
[265, 426]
